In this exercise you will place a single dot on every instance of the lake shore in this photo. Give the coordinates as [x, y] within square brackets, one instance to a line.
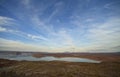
[104, 57]
[107, 68]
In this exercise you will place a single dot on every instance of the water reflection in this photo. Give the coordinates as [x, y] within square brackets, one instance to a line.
[51, 58]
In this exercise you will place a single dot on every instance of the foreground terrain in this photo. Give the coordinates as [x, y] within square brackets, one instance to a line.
[104, 57]
[110, 68]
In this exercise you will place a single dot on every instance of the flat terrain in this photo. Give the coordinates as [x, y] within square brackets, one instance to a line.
[110, 67]
[104, 57]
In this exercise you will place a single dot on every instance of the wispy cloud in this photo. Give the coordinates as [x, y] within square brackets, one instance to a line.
[80, 26]
[2, 29]
[58, 6]
[65, 38]
[61, 36]
[35, 37]
[12, 45]
[100, 36]
[18, 46]
[111, 4]
[24, 35]
[108, 29]
[6, 21]
[106, 35]
[26, 3]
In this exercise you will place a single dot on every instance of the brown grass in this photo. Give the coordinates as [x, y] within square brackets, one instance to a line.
[60, 69]
[104, 57]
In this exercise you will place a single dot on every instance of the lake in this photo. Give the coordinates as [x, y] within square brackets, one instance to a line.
[49, 58]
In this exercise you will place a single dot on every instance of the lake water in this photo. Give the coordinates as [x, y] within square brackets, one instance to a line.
[49, 58]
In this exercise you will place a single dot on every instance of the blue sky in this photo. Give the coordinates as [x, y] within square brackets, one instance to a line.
[60, 25]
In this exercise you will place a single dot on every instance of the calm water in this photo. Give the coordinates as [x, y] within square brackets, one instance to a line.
[49, 58]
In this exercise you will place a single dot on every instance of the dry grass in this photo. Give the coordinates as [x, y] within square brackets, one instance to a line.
[60, 69]
[106, 57]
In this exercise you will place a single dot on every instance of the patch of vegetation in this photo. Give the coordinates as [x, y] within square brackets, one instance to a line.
[61, 69]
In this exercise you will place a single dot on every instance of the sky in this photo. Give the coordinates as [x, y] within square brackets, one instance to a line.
[60, 25]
